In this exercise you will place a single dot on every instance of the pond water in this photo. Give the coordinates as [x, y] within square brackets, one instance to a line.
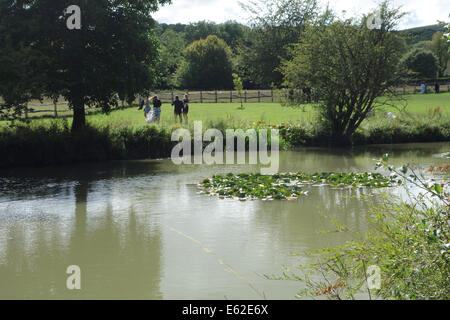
[140, 230]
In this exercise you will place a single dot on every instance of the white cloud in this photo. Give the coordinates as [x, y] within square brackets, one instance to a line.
[421, 12]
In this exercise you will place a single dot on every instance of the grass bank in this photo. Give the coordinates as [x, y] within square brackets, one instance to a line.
[52, 142]
[123, 134]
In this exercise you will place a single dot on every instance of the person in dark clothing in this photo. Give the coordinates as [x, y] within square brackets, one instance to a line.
[307, 93]
[437, 87]
[178, 109]
[156, 109]
[141, 104]
[186, 108]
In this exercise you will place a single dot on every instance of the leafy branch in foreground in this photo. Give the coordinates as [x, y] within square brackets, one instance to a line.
[408, 242]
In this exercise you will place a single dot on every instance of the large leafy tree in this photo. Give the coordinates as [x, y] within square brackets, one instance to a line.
[440, 47]
[21, 76]
[114, 52]
[348, 66]
[421, 64]
[172, 48]
[230, 31]
[207, 65]
[276, 24]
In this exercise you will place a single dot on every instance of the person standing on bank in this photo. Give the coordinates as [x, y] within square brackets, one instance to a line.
[437, 87]
[148, 109]
[186, 108]
[178, 109]
[156, 109]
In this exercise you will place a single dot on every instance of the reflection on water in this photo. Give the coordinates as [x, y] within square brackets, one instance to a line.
[139, 230]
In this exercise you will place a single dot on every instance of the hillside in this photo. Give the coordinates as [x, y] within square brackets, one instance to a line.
[419, 34]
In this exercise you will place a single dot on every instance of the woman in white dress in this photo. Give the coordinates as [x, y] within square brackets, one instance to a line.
[148, 110]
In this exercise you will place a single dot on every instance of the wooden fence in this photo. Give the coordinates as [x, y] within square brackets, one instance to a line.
[220, 96]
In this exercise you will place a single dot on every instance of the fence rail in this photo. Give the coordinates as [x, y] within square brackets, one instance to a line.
[61, 107]
[220, 96]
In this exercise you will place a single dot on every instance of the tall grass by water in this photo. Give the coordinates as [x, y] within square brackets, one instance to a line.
[123, 134]
[52, 142]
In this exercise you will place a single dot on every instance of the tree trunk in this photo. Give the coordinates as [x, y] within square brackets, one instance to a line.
[79, 116]
[341, 140]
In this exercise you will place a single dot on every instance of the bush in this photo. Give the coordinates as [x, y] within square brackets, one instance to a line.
[55, 144]
[408, 242]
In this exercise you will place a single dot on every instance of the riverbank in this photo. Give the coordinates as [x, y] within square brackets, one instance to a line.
[52, 142]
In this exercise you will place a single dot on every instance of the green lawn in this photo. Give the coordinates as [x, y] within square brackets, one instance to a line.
[266, 112]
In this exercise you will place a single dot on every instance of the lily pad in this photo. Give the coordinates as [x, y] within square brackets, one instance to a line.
[288, 186]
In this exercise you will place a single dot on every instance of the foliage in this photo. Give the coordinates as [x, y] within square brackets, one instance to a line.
[415, 35]
[238, 86]
[231, 32]
[409, 243]
[421, 64]
[55, 144]
[207, 65]
[172, 47]
[287, 186]
[21, 77]
[276, 24]
[78, 63]
[360, 65]
[441, 49]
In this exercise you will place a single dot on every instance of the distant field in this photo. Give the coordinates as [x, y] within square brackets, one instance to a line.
[267, 112]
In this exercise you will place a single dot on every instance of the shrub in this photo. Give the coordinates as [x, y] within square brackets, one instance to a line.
[408, 242]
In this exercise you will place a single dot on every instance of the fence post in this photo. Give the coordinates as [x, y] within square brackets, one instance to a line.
[404, 89]
[271, 93]
[245, 96]
[55, 104]
[259, 96]
[216, 96]
[231, 96]
[171, 94]
[26, 110]
[201, 96]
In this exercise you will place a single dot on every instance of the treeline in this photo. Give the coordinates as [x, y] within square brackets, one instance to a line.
[428, 55]
[255, 52]
[204, 55]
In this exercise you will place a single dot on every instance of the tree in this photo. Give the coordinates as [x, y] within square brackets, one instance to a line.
[238, 86]
[231, 32]
[200, 30]
[115, 51]
[276, 24]
[172, 47]
[440, 47]
[348, 66]
[207, 65]
[422, 64]
[21, 78]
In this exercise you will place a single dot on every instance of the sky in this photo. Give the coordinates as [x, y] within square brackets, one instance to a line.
[420, 12]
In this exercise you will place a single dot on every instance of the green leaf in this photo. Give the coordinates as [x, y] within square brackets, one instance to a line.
[437, 188]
